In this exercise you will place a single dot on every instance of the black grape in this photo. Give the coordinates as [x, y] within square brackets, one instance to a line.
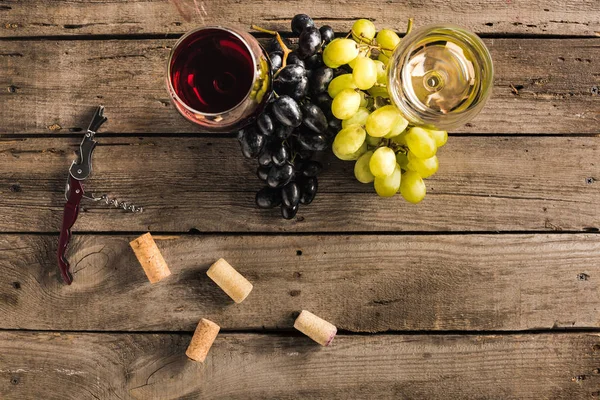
[335, 125]
[312, 140]
[300, 89]
[314, 118]
[309, 42]
[308, 188]
[327, 33]
[262, 172]
[290, 194]
[265, 158]
[276, 58]
[293, 58]
[268, 198]
[287, 111]
[282, 131]
[252, 143]
[279, 176]
[291, 73]
[311, 168]
[288, 212]
[322, 100]
[265, 124]
[281, 154]
[313, 62]
[319, 79]
[300, 22]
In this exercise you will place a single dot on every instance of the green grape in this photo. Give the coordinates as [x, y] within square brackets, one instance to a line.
[350, 157]
[327, 61]
[359, 118]
[345, 104]
[340, 52]
[379, 91]
[364, 101]
[400, 139]
[402, 160]
[387, 186]
[363, 30]
[420, 143]
[440, 137]
[362, 172]
[364, 73]
[361, 53]
[349, 140]
[373, 141]
[388, 40]
[381, 121]
[412, 187]
[425, 168]
[398, 128]
[381, 72]
[381, 57]
[382, 162]
[339, 83]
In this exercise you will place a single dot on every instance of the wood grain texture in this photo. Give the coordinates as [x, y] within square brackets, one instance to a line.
[204, 184]
[64, 17]
[359, 283]
[50, 86]
[243, 366]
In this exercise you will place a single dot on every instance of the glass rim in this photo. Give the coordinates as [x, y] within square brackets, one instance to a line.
[471, 38]
[176, 46]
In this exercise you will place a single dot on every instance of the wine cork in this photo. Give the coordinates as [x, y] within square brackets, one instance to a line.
[203, 338]
[315, 328]
[232, 282]
[149, 256]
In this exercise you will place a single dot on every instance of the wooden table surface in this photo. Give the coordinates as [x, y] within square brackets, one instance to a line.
[489, 289]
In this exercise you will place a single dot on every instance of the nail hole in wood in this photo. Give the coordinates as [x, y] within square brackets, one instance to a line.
[583, 276]
[298, 252]
[16, 285]
[14, 380]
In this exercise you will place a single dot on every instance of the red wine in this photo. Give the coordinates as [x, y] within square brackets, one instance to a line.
[212, 71]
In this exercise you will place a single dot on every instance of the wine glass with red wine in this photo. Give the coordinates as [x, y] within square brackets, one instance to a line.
[219, 78]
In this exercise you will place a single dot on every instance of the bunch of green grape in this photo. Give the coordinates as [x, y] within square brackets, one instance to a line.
[388, 151]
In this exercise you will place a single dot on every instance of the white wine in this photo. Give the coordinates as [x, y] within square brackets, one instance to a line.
[440, 76]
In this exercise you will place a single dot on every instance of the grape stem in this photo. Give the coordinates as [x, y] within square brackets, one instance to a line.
[409, 26]
[286, 50]
[373, 46]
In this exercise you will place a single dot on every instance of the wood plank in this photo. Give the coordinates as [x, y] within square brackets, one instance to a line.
[50, 86]
[242, 366]
[441, 282]
[63, 17]
[484, 184]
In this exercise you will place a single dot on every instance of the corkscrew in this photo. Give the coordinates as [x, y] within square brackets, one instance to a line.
[79, 171]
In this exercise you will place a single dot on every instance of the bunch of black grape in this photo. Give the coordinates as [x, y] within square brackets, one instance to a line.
[296, 122]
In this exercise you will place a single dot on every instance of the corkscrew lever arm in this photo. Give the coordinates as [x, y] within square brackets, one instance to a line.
[74, 193]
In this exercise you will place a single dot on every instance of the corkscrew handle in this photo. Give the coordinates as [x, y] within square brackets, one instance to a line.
[70, 213]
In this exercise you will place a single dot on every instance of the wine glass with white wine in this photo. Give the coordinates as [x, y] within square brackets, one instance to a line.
[440, 76]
